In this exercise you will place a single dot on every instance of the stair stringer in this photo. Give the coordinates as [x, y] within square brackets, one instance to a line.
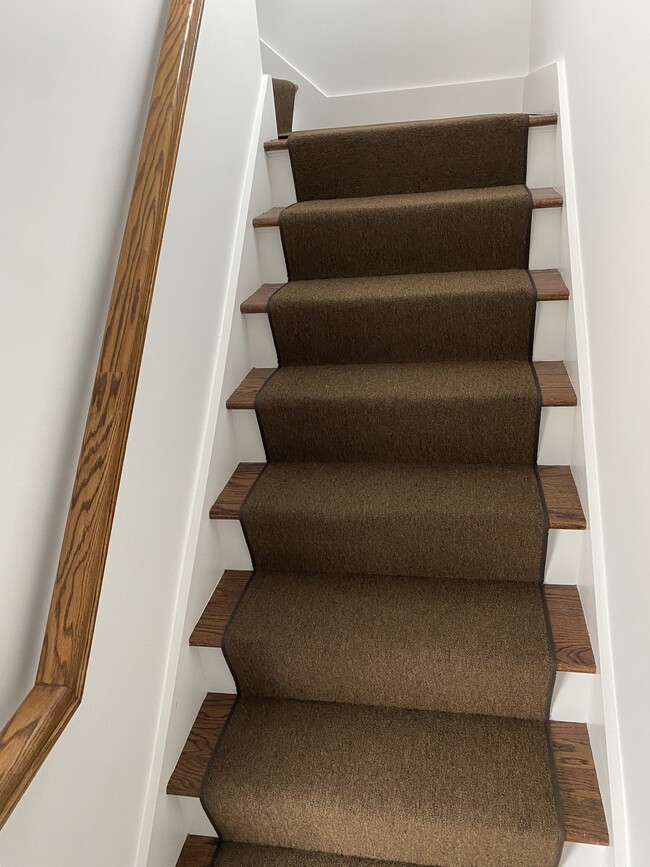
[208, 549]
[545, 90]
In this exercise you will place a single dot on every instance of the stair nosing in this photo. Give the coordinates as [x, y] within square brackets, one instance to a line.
[543, 198]
[555, 386]
[566, 617]
[548, 283]
[558, 486]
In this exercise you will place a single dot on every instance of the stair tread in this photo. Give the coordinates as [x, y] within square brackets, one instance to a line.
[579, 792]
[569, 631]
[555, 386]
[535, 120]
[543, 197]
[197, 851]
[560, 493]
[548, 283]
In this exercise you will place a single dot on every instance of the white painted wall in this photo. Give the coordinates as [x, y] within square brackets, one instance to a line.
[606, 67]
[363, 46]
[74, 85]
[315, 109]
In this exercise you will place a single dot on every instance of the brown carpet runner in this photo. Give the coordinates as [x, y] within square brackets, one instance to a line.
[460, 316]
[451, 521]
[414, 233]
[241, 855]
[419, 157]
[449, 625]
[391, 650]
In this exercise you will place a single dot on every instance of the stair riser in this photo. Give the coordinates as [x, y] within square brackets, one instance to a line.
[563, 559]
[195, 820]
[570, 703]
[541, 157]
[555, 434]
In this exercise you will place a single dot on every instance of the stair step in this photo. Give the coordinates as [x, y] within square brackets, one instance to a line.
[570, 636]
[560, 494]
[555, 386]
[190, 769]
[535, 120]
[584, 818]
[197, 852]
[543, 197]
[208, 632]
[549, 285]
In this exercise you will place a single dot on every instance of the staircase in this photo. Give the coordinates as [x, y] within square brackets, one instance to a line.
[394, 648]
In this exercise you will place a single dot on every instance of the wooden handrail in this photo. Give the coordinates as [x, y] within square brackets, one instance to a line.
[35, 727]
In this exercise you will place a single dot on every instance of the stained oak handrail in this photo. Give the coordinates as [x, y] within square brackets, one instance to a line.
[31, 733]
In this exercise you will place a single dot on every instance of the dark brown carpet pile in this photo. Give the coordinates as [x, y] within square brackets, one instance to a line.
[243, 855]
[404, 642]
[385, 783]
[451, 521]
[391, 650]
[459, 316]
[448, 412]
[410, 233]
[418, 157]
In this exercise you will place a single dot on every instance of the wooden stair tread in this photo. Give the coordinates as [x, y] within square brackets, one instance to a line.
[554, 383]
[208, 632]
[548, 283]
[560, 493]
[230, 500]
[258, 302]
[190, 769]
[547, 197]
[268, 220]
[535, 120]
[570, 636]
[573, 651]
[543, 197]
[584, 818]
[562, 500]
[198, 851]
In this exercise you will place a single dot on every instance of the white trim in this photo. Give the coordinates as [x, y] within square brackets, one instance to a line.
[194, 523]
[615, 782]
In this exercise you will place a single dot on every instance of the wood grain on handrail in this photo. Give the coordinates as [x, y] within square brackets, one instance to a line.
[30, 734]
